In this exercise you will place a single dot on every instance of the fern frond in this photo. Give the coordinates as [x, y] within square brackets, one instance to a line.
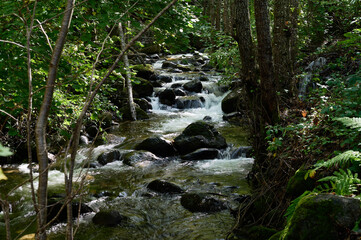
[351, 122]
[340, 159]
[343, 182]
[292, 207]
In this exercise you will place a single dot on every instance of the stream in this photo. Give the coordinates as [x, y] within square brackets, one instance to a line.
[120, 187]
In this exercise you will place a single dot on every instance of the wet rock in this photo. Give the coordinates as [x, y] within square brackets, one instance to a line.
[176, 85]
[201, 154]
[323, 216]
[157, 145]
[193, 86]
[134, 157]
[196, 202]
[180, 92]
[143, 104]
[230, 116]
[109, 219]
[233, 102]
[165, 79]
[141, 114]
[176, 70]
[184, 68]
[142, 88]
[55, 206]
[84, 140]
[108, 157]
[207, 118]
[168, 64]
[203, 79]
[162, 186]
[143, 71]
[92, 131]
[243, 151]
[167, 97]
[187, 102]
[199, 135]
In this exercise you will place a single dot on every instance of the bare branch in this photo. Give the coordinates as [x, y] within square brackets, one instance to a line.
[11, 42]
[46, 35]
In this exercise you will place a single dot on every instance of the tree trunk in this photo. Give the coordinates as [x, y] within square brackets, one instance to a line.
[42, 121]
[269, 99]
[127, 76]
[282, 44]
[294, 36]
[218, 14]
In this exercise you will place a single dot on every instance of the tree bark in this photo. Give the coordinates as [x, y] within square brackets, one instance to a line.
[282, 33]
[42, 121]
[127, 76]
[269, 98]
[218, 14]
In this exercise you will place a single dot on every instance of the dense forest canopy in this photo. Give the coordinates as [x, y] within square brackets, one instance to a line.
[64, 65]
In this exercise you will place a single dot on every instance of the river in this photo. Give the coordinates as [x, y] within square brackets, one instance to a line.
[116, 186]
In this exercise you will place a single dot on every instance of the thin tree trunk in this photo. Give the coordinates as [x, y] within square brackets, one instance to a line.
[42, 121]
[5, 207]
[30, 107]
[127, 76]
[269, 99]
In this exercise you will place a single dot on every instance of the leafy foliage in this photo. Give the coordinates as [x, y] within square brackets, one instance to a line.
[341, 159]
[343, 182]
[351, 122]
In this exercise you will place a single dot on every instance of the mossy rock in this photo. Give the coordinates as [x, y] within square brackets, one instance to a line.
[142, 87]
[144, 71]
[126, 115]
[297, 184]
[260, 232]
[323, 216]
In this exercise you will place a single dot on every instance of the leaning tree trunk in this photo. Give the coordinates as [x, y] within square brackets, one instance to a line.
[269, 99]
[42, 121]
[127, 76]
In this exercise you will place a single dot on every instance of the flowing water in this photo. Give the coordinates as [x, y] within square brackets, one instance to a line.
[119, 187]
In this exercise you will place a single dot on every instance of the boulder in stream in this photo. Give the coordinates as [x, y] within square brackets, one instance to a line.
[197, 202]
[126, 115]
[199, 135]
[201, 154]
[167, 97]
[187, 102]
[108, 157]
[157, 145]
[109, 219]
[134, 157]
[162, 186]
[142, 88]
[56, 209]
[233, 101]
[143, 71]
[193, 86]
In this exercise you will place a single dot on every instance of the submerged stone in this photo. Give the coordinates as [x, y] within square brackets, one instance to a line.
[109, 218]
[196, 202]
[162, 186]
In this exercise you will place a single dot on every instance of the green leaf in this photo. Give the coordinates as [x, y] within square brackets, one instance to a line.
[5, 151]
